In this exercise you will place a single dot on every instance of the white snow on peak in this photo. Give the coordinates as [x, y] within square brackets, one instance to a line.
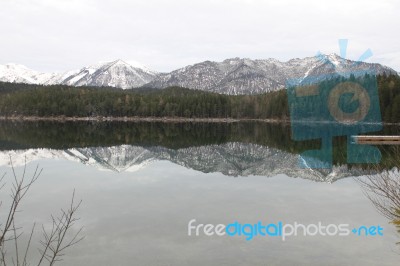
[116, 73]
[126, 63]
[232, 76]
[141, 66]
[19, 73]
[335, 59]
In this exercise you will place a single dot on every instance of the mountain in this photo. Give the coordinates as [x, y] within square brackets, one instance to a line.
[117, 74]
[231, 159]
[21, 74]
[246, 76]
[231, 76]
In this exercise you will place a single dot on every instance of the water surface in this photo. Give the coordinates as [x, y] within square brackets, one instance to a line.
[141, 183]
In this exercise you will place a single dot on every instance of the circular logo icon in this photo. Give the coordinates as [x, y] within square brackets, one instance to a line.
[358, 93]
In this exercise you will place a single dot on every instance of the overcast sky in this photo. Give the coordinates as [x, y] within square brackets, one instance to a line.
[59, 35]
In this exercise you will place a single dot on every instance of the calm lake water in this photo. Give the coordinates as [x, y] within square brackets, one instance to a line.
[141, 184]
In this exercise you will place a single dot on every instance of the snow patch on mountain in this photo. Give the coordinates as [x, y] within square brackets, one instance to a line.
[246, 76]
[118, 73]
[231, 76]
[21, 74]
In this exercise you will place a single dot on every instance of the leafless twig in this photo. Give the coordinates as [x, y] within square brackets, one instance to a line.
[55, 241]
[383, 190]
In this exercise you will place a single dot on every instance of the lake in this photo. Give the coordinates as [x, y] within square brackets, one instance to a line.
[141, 183]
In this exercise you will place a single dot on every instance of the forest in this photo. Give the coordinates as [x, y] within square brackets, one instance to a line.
[61, 100]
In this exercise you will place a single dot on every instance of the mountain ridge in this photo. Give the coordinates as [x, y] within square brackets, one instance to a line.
[117, 73]
[247, 76]
[232, 76]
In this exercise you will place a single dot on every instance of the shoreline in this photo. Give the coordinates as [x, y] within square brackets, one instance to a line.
[154, 119]
[136, 119]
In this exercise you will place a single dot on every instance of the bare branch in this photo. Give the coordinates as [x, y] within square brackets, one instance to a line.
[383, 190]
[54, 241]
[29, 244]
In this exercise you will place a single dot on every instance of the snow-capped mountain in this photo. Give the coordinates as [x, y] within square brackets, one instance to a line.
[21, 74]
[119, 74]
[232, 76]
[246, 76]
[232, 159]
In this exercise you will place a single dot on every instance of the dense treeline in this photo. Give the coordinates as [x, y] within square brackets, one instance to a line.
[389, 96]
[61, 100]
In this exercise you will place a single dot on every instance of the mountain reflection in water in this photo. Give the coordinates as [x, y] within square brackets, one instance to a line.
[234, 149]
